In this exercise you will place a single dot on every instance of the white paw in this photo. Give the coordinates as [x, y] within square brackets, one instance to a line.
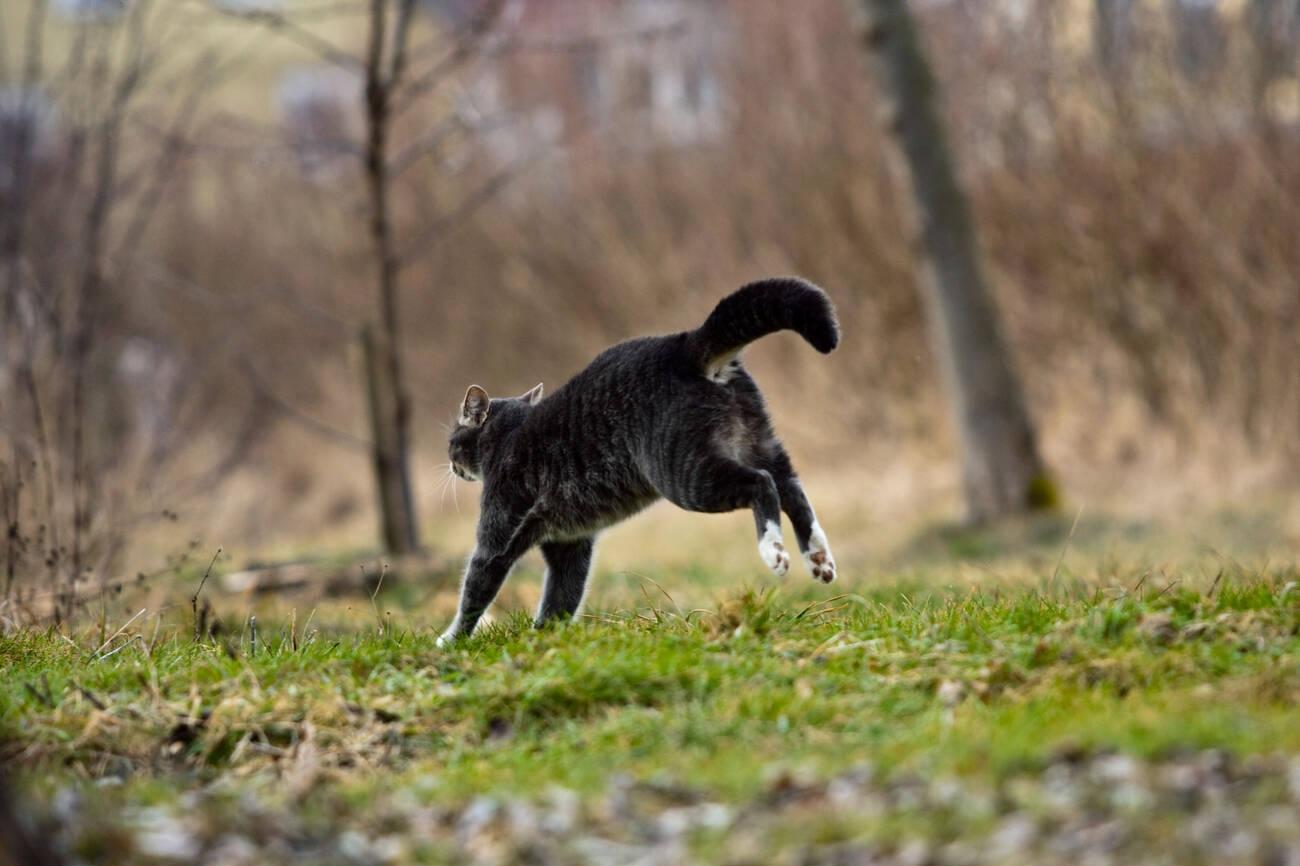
[818, 559]
[820, 565]
[773, 552]
[451, 635]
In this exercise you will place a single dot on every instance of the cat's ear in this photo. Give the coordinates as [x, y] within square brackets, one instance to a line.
[533, 395]
[474, 409]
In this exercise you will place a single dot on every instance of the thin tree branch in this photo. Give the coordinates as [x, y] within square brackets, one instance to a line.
[174, 145]
[429, 142]
[240, 443]
[92, 261]
[427, 238]
[375, 52]
[328, 10]
[333, 324]
[289, 29]
[315, 425]
[33, 52]
[464, 46]
[401, 41]
[35, 43]
[74, 64]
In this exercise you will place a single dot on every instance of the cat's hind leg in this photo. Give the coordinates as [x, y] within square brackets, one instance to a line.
[567, 566]
[808, 532]
[714, 483]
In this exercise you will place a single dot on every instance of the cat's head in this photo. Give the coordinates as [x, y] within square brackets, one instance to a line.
[482, 420]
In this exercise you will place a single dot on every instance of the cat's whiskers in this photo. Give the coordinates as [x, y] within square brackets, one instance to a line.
[449, 478]
[446, 479]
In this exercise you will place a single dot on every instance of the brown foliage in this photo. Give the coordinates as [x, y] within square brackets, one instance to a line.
[1139, 216]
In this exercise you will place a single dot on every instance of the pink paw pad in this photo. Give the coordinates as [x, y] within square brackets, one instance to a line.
[821, 566]
[782, 564]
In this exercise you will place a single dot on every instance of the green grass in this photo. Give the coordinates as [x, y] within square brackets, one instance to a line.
[711, 695]
[972, 685]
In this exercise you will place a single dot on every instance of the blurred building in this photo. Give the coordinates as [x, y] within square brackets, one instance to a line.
[631, 73]
[29, 125]
[1020, 73]
[94, 9]
[560, 77]
[319, 112]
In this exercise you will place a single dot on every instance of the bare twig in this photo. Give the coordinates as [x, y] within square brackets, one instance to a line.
[194, 600]
[401, 41]
[321, 428]
[289, 29]
[328, 10]
[174, 145]
[1168, 587]
[92, 277]
[43, 696]
[33, 50]
[90, 696]
[11, 491]
[426, 239]
[465, 45]
[235, 308]
[427, 143]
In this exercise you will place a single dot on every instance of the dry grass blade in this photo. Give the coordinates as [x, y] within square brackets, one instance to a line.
[379, 585]
[103, 646]
[1066, 546]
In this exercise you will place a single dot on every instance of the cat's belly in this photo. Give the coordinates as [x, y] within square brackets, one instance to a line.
[584, 522]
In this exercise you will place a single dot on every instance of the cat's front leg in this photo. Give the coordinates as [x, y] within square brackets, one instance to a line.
[483, 578]
[487, 570]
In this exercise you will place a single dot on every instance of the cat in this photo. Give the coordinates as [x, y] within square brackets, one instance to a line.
[675, 417]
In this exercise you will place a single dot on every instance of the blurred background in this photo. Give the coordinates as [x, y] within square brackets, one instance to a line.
[252, 253]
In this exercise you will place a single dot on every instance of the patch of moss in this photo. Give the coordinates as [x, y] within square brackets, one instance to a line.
[1042, 493]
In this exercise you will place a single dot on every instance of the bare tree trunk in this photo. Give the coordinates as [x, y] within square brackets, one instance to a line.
[1113, 46]
[1112, 26]
[392, 486]
[1274, 27]
[390, 402]
[1004, 472]
[393, 80]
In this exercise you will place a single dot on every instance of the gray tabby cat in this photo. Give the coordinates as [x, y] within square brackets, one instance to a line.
[675, 416]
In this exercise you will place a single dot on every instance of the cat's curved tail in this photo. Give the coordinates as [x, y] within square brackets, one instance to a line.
[764, 307]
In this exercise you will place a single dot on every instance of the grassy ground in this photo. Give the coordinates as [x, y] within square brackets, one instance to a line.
[1125, 714]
